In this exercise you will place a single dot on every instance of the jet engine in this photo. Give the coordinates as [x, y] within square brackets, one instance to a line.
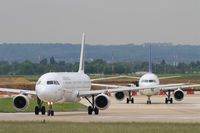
[178, 95]
[102, 101]
[120, 96]
[20, 102]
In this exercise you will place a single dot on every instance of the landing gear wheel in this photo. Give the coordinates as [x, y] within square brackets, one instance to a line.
[171, 100]
[127, 100]
[166, 100]
[96, 111]
[132, 100]
[49, 112]
[52, 113]
[36, 110]
[90, 110]
[43, 110]
[148, 102]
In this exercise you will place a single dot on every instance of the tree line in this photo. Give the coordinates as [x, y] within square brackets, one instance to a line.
[93, 67]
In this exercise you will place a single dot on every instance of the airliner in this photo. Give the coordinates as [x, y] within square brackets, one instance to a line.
[149, 80]
[54, 87]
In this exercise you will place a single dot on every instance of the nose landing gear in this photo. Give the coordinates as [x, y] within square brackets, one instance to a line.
[149, 100]
[50, 111]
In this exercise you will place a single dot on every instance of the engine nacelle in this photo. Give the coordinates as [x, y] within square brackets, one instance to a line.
[20, 102]
[102, 101]
[120, 96]
[178, 95]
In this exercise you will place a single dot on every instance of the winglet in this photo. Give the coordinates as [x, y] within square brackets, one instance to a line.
[82, 62]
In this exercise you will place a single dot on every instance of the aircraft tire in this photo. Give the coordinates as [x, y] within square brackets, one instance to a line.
[127, 100]
[43, 110]
[166, 100]
[36, 110]
[96, 111]
[52, 113]
[171, 100]
[49, 112]
[90, 110]
[132, 100]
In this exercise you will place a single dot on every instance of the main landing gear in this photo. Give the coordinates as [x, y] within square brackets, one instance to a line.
[40, 108]
[92, 107]
[168, 98]
[129, 98]
[149, 100]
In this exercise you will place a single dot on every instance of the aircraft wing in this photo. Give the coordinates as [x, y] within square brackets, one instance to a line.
[169, 77]
[116, 77]
[180, 87]
[118, 86]
[20, 91]
[126, 88]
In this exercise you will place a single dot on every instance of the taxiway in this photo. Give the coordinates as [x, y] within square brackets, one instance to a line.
[187, 110]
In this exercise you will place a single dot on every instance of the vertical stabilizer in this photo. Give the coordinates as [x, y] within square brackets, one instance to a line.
[150, 60]
[82, 56]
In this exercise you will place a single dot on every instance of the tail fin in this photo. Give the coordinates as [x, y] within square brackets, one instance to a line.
[150, 63]
[82, 56]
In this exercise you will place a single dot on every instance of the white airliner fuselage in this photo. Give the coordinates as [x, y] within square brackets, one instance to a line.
[62, 86]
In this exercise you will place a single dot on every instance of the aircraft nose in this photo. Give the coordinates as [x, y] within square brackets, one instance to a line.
[46, 94]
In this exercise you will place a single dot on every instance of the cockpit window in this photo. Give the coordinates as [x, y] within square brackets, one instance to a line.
[56, 82]
[148, 81]
[152, 81]
[145, 81]
[52, 82]
[49, 82]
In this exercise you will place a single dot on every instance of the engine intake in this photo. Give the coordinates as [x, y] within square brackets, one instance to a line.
[120, 96]
[20, 102]
[178, 95]
[102, 101]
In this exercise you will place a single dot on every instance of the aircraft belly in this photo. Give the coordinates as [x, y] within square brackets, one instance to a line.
[70, 96]
[149, 92]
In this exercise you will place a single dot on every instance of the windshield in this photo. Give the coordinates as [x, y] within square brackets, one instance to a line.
[50, 82]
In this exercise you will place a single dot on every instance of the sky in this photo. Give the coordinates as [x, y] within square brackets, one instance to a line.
[103, 21]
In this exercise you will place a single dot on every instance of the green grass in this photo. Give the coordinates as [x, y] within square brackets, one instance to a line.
[66, 127]
[6, 106]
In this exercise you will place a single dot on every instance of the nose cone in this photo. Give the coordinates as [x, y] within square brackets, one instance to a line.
[47, 93]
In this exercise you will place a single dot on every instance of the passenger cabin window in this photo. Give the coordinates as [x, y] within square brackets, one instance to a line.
[52, 82]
